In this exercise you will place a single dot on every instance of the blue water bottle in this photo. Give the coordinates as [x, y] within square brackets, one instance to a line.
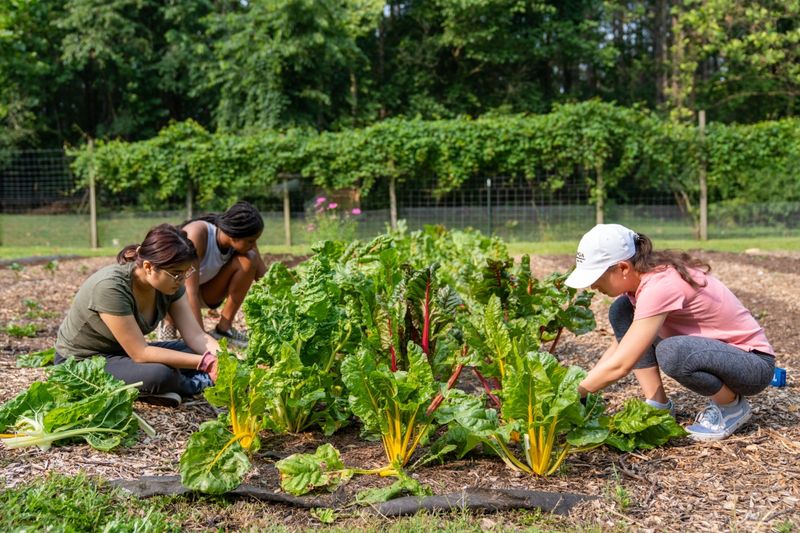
[779, 377]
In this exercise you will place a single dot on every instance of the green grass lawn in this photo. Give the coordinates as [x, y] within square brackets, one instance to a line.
[9, 253]
[47, 235]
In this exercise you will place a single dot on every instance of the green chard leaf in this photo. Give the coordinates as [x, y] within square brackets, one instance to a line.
[641, 426]
[302, 473]
[38, 398]
[37, 359]
[214, 462]
[406, 485]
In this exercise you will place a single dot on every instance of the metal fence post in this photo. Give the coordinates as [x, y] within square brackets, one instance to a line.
[703, 233]
[287, 213]
[489, 202]
[600, 206]
[92, 200]
[189, 201]
[392, 205]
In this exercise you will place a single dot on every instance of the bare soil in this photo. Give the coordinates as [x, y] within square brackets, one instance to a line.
[749, 482]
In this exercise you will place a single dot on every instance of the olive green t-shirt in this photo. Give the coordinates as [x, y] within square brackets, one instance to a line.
[109, 290]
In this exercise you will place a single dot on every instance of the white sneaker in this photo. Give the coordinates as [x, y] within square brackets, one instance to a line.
[166, 331]
[718, 422]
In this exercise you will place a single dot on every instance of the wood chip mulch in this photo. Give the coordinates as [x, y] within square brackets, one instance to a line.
[748, 482]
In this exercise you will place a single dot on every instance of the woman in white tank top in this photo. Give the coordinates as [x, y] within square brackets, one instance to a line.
[229, 262]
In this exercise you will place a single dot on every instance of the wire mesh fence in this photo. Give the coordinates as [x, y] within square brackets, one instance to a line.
[41, 204]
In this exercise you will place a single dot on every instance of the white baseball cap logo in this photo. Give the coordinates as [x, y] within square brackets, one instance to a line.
[602, 247]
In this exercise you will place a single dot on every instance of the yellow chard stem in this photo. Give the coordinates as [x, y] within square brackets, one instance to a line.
[398, 435]
[216, 458]
[544, 456]
[551, 438]
[509, 458]
[409, 430]
[532, 455]
[385, 442]
[417, 438]
[561, 457]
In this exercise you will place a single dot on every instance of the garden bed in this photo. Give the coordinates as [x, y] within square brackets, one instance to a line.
[750, 481]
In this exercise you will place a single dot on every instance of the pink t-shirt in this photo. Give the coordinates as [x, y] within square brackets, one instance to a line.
[712, 311]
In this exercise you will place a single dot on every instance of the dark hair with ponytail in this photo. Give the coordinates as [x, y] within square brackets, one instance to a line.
[164, 246]
[240, 221]
[647, 260]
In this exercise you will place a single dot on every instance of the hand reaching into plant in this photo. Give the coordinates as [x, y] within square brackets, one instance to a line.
[209, 364]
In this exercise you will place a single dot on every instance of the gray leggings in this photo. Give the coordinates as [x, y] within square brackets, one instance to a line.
[157, 377]
[700, 364]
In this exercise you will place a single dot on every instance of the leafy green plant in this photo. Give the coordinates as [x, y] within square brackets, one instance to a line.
[542, 419]
[79, 400]
[639, 426]
[302, 473]
[16, 330]
[325, 516]
[52, 266]
[37, 359]
[16, 268]
[300, 326]
[391, 404]
[511, 313]
[216, 456]
[33, 309]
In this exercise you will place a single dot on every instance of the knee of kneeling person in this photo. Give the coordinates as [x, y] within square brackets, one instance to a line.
[247, 262]
[157, 378]
[668, 356]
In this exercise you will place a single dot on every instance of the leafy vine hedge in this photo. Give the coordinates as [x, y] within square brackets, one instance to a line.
[613, 147]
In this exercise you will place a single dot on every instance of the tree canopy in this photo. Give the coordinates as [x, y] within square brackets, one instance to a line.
[77, 69]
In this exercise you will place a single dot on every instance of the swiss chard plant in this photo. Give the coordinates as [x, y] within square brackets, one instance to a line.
[510, 311]
[391, 403]
[216, 458]
[300, 329]
[543, 420]
[79, 400]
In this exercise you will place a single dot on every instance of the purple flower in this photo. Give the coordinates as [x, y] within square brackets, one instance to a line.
[356, 211]
[333, 205]
[321, 200]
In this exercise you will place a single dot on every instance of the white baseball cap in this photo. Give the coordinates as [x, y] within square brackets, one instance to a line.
[603, 246]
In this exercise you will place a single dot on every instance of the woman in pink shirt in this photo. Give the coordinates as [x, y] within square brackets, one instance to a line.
[673, 316]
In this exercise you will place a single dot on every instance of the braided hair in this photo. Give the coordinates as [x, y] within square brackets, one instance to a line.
[242, 220]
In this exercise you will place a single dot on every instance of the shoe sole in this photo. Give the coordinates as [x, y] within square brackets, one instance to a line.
[161, 401]
[720, 436]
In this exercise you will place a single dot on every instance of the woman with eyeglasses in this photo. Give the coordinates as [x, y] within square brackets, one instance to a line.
[228, 263]
[119, 304]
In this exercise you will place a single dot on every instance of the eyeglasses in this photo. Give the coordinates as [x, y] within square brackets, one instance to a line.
[182, 276]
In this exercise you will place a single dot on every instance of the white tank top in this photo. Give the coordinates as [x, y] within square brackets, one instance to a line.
[213, 260]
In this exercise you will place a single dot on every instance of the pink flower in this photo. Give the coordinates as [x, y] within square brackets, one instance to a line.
[356, 211]
[311, 227]
[333, 205]
[321, 200]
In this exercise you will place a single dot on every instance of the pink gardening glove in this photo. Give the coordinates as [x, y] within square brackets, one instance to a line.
[208, 364]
